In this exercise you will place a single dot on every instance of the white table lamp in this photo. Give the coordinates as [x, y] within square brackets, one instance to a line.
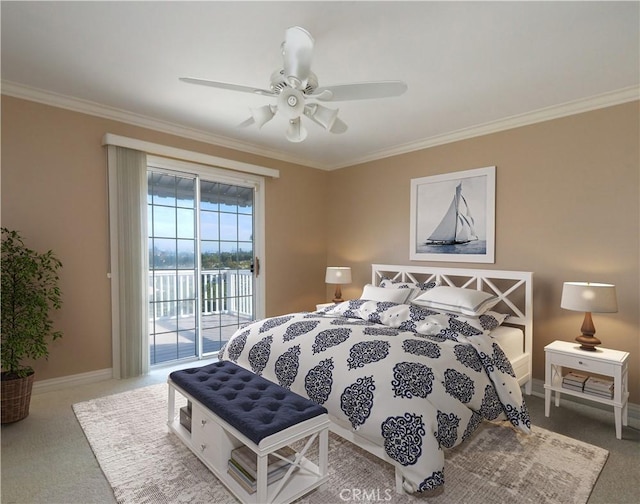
[589, 298]
[338, 275]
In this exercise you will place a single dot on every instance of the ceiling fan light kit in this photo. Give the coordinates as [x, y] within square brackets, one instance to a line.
[295, 83]
[296, 131]
[262, 115]
[323, 116]
[291, 103]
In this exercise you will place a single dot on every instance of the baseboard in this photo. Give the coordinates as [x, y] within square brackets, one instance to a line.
[63, 382]
[538, 391]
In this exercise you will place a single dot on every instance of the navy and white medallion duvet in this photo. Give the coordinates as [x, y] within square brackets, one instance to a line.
[408, 378]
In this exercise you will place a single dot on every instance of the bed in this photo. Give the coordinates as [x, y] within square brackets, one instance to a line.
[410, 368]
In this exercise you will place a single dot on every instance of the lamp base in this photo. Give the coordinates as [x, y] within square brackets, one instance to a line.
[588, 342]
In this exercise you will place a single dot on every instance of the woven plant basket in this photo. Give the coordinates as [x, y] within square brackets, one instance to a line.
[16, 397]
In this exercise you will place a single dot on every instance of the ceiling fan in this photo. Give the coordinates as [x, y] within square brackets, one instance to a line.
[295, 84]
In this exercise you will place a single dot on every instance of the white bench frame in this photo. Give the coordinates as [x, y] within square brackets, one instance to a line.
[212, 439]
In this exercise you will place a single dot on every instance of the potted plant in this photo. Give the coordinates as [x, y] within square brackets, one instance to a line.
[29, 292]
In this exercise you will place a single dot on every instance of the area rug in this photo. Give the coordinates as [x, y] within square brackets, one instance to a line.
[145, 463]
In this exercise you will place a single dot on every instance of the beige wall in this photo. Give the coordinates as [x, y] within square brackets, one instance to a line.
[567, 208]
[54, 192]
[567, 205]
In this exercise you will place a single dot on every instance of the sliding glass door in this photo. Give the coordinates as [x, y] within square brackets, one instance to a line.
[201, 262]
[226, 261]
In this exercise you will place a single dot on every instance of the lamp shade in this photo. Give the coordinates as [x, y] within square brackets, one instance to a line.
[262, 115]
[324, 116]
[338, 275]
[296, 132]
[589, 297]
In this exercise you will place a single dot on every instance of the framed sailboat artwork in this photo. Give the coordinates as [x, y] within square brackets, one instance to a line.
[453, 216]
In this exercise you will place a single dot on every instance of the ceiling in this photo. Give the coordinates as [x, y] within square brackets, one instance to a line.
[471, 67]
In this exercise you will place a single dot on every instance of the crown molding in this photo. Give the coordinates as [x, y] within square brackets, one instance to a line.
[21, 91]
[541, 115]
[545, 114]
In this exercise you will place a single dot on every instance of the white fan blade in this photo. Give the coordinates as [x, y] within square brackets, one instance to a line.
[296, 131]
[297, 51]
[230, 87]
[360, 91]
[324, 96]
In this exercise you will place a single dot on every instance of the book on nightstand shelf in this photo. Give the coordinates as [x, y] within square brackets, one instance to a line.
[248, 483]
[574, 381]
[601, 387]
[243, 466]
[250, 488]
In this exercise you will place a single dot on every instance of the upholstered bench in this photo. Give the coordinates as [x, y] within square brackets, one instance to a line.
[231, 407]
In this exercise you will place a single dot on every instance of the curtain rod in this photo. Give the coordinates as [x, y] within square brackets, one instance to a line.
[187, 155]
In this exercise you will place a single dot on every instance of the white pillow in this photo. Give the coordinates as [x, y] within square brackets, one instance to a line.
[457, 300]
[387, 283]
[374, 293]
[415, 288]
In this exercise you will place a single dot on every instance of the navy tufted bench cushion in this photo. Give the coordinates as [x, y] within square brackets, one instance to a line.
[255, 406]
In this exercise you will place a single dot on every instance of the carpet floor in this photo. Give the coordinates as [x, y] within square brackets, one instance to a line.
[144, 463]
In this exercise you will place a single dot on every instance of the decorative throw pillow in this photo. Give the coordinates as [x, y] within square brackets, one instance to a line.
[416, 288]
[423, 286]
[374, 293]
[488, 321]
[457, 300]
[387, 283]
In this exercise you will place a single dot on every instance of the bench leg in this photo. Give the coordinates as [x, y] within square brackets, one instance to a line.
[262, 478]
[172, 405]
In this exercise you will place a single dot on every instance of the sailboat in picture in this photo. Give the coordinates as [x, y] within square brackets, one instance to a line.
[457, 225]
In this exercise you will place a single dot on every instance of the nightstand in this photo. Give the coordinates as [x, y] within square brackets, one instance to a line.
[563, 354]
[324, 305]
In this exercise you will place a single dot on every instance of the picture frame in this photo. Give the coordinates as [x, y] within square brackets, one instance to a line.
[453, 216]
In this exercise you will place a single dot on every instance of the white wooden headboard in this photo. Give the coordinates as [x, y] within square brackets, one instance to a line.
[514, 288]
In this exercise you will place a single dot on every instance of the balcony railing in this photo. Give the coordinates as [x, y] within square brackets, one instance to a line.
[222, 292]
